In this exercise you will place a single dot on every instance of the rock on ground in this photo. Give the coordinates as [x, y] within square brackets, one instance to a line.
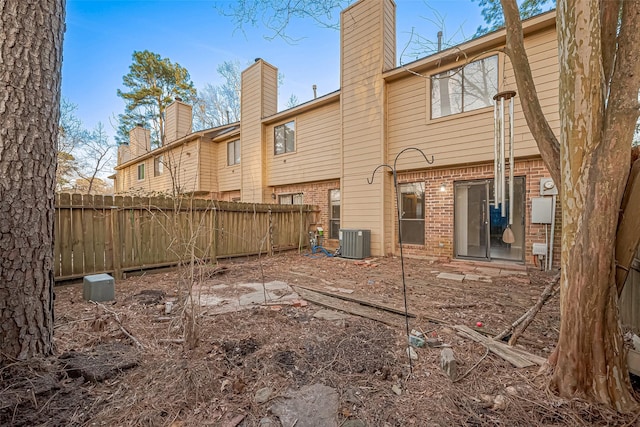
[314, 405]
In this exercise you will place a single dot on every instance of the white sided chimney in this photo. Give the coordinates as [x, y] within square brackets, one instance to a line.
[178, 119]
[139, 141]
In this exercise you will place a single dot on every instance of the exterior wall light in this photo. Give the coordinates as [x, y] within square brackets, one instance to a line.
[443, 187]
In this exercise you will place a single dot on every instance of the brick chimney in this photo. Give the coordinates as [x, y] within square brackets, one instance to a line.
[178, 120]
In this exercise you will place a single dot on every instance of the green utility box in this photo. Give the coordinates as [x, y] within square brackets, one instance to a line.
[99, 287]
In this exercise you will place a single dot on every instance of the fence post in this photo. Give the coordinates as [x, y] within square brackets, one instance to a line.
[300, 236]
[214, 243]
[116, 242]
[270, 233]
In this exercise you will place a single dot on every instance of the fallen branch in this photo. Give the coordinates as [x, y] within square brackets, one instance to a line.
[122, 328]
[516, 356]
[461, 305]
[525, 320]
[463, 376]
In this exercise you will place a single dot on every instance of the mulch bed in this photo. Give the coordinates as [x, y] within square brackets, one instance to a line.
[190, 368]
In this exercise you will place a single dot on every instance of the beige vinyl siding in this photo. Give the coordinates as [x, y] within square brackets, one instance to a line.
[468, 137]
[250, 133]
[208, 167]
[186, 160]
[184, 167]
[389, 29]
[365, 53]
[270, 90]
[228, 176]
[317, 153]
[132, 183]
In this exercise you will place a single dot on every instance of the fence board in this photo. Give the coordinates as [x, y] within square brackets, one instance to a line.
[630, 298]
[99, 225]
[108, 213]
[88, 238]
[96, 234]
[77, 246]
[57, 264]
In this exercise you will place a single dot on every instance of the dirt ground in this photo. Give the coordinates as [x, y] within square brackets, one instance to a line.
[136, 362]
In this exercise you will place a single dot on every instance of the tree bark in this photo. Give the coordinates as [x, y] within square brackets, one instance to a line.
[31, 33]
[599, 81]
[595, 141]
[628, 235]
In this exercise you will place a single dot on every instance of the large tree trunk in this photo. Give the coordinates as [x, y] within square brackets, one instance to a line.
[597, 113]
[31, 50]
[598, 94]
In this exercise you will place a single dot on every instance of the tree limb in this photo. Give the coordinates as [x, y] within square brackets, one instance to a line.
[540, 129]
[122, 328]
[526, 319]
[628, 234]
[609, 14]
[621, 117]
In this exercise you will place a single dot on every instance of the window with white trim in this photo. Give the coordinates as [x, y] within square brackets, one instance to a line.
[233, 153]
[284, 137]
[412, 213]
[158, 165]
[334, 213]
[464, 89]
[290, 199]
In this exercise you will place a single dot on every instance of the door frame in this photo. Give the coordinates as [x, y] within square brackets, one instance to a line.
[486, 182]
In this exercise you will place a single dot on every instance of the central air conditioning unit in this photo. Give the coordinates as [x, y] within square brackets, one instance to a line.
[355, 243]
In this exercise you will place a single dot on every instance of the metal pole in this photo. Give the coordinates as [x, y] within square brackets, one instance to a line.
[503, 176]
[511, 161]
[399, 205]
[496, 160]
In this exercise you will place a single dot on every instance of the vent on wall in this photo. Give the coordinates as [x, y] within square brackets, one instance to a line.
[355, 243]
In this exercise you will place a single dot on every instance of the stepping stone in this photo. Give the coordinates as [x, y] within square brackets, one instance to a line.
[451, 276]
[313, 405]
[330, 315]
[477, 278]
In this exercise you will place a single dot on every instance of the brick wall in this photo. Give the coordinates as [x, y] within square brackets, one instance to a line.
[227, 196]
[439, 207]
[315, 193]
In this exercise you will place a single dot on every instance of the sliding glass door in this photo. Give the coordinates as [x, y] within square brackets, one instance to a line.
[479, 225]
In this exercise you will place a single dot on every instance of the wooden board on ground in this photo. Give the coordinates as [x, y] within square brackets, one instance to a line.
[388, 318]
[633, 360]
[357, 300]
[516, 356]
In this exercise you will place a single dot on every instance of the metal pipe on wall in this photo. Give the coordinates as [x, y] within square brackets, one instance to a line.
[496, 158]
[503, 175]
[553, 228]
[511, 161]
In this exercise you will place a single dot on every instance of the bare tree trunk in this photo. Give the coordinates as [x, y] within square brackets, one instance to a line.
[596, 121]
[599, 81]
[31, 50]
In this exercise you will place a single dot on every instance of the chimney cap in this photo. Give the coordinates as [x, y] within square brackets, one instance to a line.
[258, 59]
[140, 125]
[177, 98]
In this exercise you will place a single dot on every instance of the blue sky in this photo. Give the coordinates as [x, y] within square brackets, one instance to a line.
[101, 36]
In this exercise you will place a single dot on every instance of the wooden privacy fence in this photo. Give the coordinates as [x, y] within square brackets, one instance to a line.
[116, 234]
[630, 297]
